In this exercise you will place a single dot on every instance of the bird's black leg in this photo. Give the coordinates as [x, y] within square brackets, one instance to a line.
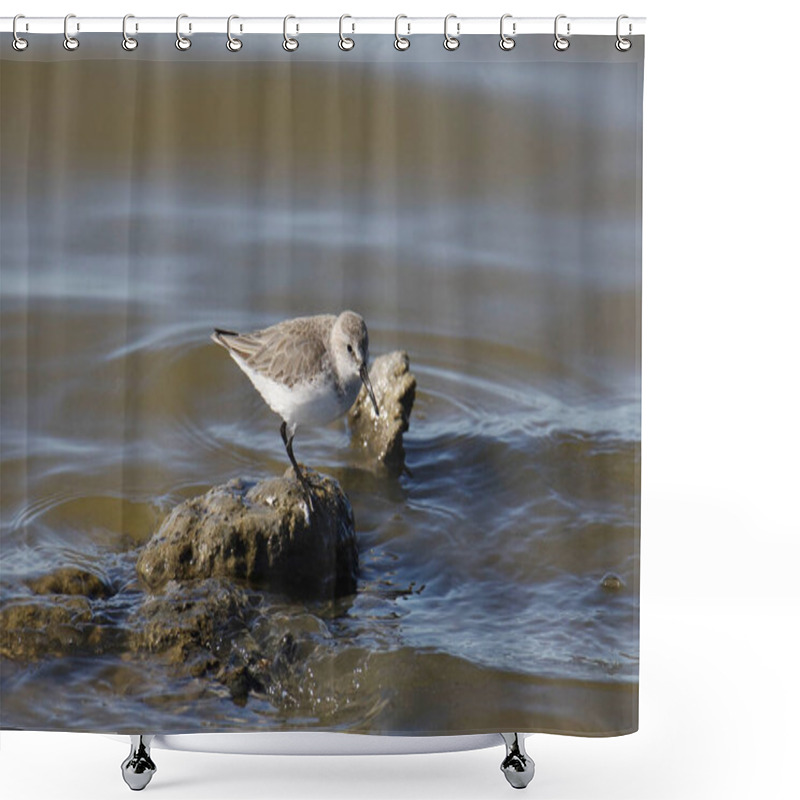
[287, 443]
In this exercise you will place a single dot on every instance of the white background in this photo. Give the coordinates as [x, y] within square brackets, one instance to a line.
[720, 530]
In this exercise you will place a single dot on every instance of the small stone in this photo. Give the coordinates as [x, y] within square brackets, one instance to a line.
[72, 581]
[612, 583]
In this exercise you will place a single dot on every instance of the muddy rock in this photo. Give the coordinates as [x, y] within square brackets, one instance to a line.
[191, 625]
[219, 629]
[262, 534]
[72, 581]
[198, 629]
[381, 438]
[48, 628]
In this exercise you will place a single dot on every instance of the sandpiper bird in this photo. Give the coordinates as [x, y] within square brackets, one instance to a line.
[309, 370]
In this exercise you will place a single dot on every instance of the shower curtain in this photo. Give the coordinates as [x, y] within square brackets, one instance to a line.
[466, 559]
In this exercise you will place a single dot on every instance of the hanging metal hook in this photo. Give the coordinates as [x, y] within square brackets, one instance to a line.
[233, 44]
[507, 42]
[181, 41]
[451, 42]
[70, 42]
[345, 43]
[18, 43]
[289, 44]
[560, 42]
[400, 42]
[128, 42]
[622, 44]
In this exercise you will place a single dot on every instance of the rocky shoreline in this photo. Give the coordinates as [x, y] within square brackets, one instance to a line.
[202, 584]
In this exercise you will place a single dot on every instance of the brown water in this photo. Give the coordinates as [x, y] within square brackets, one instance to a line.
[483, 218]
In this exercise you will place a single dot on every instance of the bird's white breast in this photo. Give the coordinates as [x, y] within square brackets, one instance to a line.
[314, 402]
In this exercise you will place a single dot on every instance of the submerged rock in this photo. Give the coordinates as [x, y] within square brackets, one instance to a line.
[191, 625]
[381, 438]
[216, 628]
[72, 581]
[48, 628]
[261, 533]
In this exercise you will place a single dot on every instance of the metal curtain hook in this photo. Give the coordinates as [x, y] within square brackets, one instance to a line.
[622, 44]
[181, 41]
[400, 42]
[560, 42]
[451, 42]
[289, 44]
[70, 42]
[507, 42]
[345, 43]
[18, 43]
[233, 44]
[128, 42]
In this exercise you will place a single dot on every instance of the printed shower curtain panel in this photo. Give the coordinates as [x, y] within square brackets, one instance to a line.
[321, 386]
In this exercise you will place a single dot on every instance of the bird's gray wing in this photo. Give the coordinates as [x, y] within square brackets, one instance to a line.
[288, 352]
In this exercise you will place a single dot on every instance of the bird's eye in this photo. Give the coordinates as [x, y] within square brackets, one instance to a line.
[349, 348]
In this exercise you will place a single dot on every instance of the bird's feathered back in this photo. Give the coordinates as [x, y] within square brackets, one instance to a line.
[284, 352]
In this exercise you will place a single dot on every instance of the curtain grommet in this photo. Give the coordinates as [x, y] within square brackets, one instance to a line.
[451, 42]
[622, 44]
[17, 42]
[346, 43]
[561, 43]
[507, 42]
[129, 43]
[290, 44]
[182, 42]
[401, 43]
[70, 42]
[233, 44]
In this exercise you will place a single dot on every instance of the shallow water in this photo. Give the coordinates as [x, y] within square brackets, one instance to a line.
[481, 598]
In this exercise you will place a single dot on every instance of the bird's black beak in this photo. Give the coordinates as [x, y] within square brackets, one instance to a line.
[365, 380]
